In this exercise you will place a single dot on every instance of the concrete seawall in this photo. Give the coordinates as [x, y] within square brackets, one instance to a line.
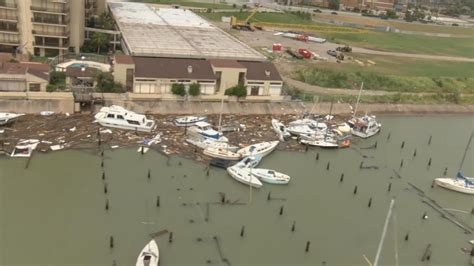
[64, 102]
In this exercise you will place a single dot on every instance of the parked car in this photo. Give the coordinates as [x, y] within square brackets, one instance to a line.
[317, 10]
[334, 13]
[332, 53]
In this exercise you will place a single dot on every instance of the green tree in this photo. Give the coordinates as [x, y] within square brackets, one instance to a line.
[105, 83]
[99, 40]
[178, 89]
[195, 89]
[106, 21]
[333, 4]
[239, 91]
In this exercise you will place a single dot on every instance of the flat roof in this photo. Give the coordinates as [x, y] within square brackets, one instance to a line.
[169, 32]
[173, 68]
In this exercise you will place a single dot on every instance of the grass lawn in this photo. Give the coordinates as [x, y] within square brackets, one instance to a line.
[397, 24]
[187, 3]
[397, 42]
[403, 66]
[393, 74]
[290, 18]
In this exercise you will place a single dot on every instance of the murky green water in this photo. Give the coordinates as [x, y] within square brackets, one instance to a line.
[53, 213]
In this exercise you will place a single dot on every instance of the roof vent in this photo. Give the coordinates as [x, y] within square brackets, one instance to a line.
[190, 69]
[267, 73]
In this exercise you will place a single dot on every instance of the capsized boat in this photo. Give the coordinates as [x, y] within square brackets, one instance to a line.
[243, 175]
[364, 127]
[280, 129]
[221, 163]
[271, 176]
[119, 117]
[222, 154]
[25, 148]
[205, 130]
[7, 118]
[460, 183]
[204, 143]
[149, 256]
[322, 142]
[250, 161]
[263, 149]
[190, 120]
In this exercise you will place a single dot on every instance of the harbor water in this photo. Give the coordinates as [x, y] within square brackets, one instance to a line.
[54, 211]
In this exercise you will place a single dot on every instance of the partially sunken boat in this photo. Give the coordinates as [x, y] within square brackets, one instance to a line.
[186, 121]
[119, 117]
[221, 154]
[7, 118]
[25, 148]
[149, 256]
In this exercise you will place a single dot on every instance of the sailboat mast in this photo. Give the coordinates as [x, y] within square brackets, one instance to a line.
[465, 151]
[358, 99]
[384, 232]
[220, 114]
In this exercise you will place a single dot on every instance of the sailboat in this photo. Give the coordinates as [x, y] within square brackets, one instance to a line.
[460, 183]
[365, 126]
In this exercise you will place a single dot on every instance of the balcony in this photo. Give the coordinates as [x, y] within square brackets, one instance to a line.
[8, 17]
[63, 10]
[49, 21]
[51, 45]
[7, 5]
[9, 41]
[48, 33]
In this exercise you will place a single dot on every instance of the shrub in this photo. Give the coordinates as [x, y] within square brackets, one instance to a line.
[239, 91]
[105, 83]
[178, 89]
[195, 89]
[56, 77]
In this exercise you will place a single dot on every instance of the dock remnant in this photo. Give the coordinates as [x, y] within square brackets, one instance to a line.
[159, 233]
[427, 253]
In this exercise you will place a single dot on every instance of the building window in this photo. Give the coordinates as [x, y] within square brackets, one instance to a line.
[35, 87]
[254, 90]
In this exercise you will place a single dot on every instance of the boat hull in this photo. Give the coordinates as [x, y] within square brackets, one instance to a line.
[125, 127]
[149, 256]
[222, 154]
[455, 185]
[259, 149]
[7, 118]
[243, 176]
[276, 179]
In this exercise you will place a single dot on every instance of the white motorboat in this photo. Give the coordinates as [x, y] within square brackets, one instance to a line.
[6, 118]
[280, 129]
[364, 127]
[243, 175]
[119, 117]
[321, 142]
[204, 143]
[262, 149]
[205, 130]
[222, 154]
[250, 161]
[301, 130]
[271, 176]
[460, 183]
[25, 148]
[149, 256]
[303, 122]
[190, 120]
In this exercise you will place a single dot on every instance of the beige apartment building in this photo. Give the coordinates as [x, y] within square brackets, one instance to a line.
[45, 27]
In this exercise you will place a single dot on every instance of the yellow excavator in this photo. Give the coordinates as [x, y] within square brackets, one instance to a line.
[244, 24]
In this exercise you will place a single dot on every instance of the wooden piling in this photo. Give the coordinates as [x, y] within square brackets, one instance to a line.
[342, 177]
[111, 242]
[389, 187]
[445, 171]
[158, 201]
[414, 153]
[306, 148]
[170, 239]
[317, 156]
[429, 140]
[105, 188]
[328, 165]
[269, 196]
[103, 175]
[102, 164]
[293, 226]
[102, 153]
[401, 163]
[375, 146]
[281, 210]
[149, 173]
[355, 190]
[472, 211]
[308, 243]
[429, 162]
[242, 231]
[407, 236]
[403, 144]
[427, 253]
[389, 135]
[107, 205]
[361, 164]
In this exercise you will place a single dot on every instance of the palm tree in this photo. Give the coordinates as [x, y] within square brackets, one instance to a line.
[99, 40]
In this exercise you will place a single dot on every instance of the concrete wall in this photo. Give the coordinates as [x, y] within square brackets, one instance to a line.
[229, 77]
[77, 24]
[34, 79]
[35, 102]
[120, 73]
